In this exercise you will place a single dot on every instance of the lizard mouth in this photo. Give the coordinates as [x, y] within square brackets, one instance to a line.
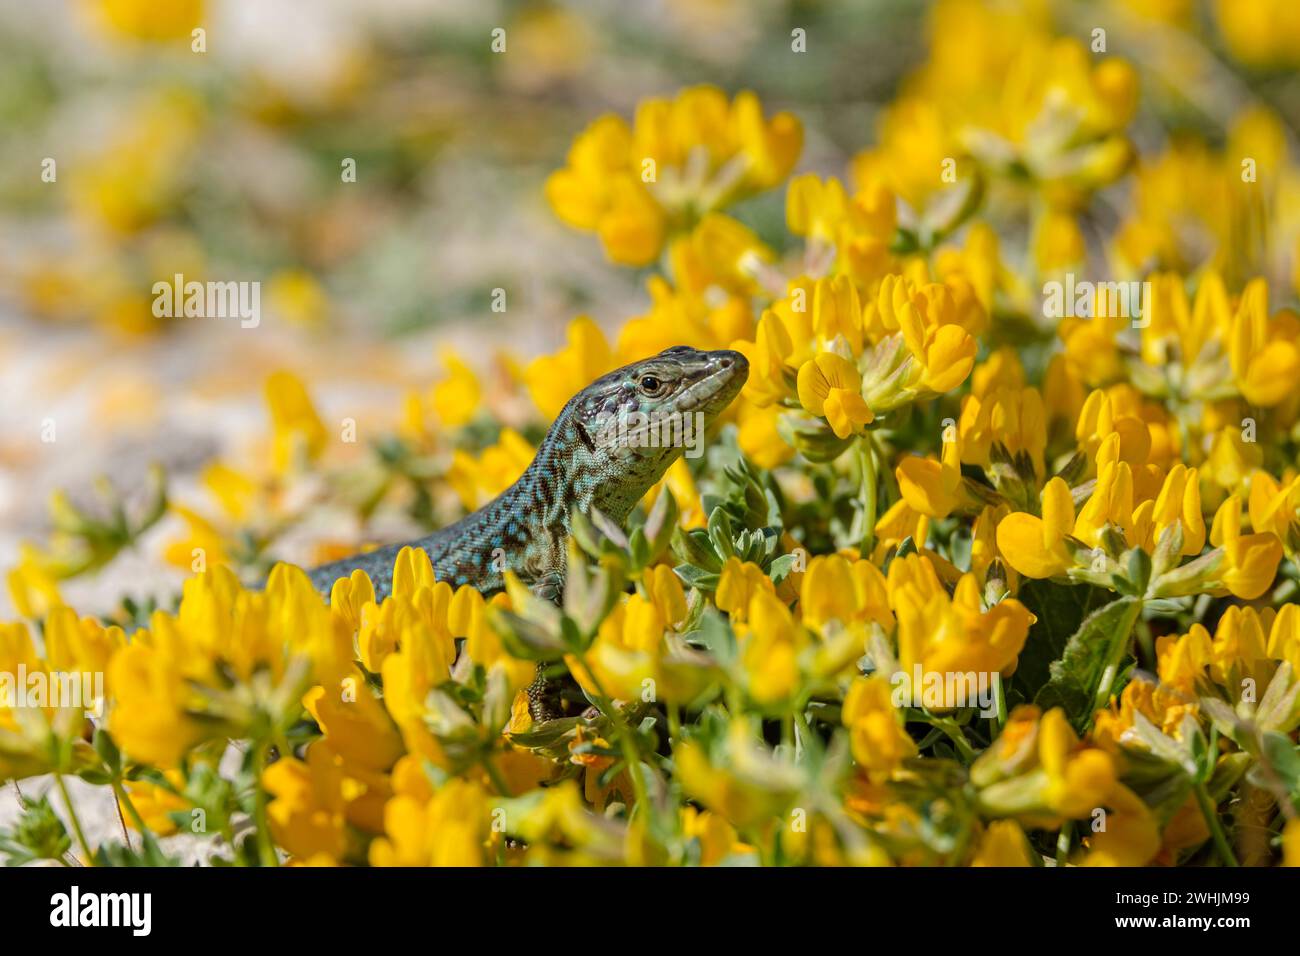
[721, 380]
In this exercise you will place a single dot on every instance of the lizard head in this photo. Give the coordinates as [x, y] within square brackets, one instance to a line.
[627, 427]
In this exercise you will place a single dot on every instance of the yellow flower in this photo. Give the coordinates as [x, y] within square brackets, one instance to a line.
[1111, 503]
[1164, 706]
[1100, 419]
[156, 803]
[934, 488]
[898, 524]
[623, 658]
[1239, 651]
[1077, 780]
[478, 481]
[1284, 636]
[1264, 34]
[1179, 502]
[1003, 844]
[1291, 843]
[879, 741]
[836, 589]
[1183, 660]
[683, 157]
[737, 585]
[450, 827]
[953, 634]
[837, 312]
[1265, 360]
[931, 320]
[1131, 836]
[299, 434]
[423, 656]
[758, 436]
[1249, 560]
[141, 20]
[728, 252]
[138, 177]
[741, 780]
[632, 227]
[665, 591]
[296, 296]
[1038, 771]
[586, 357]
[73, 644]
[1013, 417]
[831, 386]
[716, 837]
[467, 618]
[354, 722]
[814, 208]
[149, 720]
[771, 351]
[770, 649]
[983, 546]
[306, 811]
[1273, 506]
[1036, 546]
[36, 736]
[1058, 242]
[173, 683]
[456, 398]
[32, 587]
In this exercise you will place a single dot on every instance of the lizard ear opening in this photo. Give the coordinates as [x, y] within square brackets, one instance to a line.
[583, 436]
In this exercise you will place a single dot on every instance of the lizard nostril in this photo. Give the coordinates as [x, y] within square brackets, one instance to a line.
[726, 359]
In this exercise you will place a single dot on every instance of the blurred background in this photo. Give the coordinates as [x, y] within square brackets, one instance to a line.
[229, 164]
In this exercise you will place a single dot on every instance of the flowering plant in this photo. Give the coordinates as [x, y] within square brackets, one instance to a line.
[959, 581]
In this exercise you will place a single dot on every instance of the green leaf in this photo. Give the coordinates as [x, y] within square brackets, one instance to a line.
[1090, 663]
[720, 534]
[1059, 609]
[38, 834]
[150, 854]
[695, 548]
[1284, 758]
[107, 750]
[694, 577]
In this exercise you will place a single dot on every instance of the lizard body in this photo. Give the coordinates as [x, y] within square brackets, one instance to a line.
[596, 453]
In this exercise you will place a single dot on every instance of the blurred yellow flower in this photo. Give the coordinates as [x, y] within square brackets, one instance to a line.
[586, 357]
[299, 433]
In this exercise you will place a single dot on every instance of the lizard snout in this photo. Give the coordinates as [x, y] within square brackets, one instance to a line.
[727, 358]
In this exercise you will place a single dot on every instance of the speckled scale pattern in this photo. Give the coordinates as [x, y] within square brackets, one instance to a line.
[524, 528]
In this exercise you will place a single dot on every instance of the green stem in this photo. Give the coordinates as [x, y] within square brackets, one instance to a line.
[867, 462]
[1146, 641]
[1210, 812]
[124, 800]
[494, 774]
[803, 731]
[954, 733]
[1002, 704]
[72, 816]
[1063, 841]
[1119, 647]
[265, 847]
[631, 756]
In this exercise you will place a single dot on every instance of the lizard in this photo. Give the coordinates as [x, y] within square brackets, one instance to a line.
[604, 450]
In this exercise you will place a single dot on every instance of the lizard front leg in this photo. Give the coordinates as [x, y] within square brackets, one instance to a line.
[549, 587]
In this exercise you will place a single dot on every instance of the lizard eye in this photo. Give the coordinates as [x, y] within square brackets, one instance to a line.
[650, 384]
